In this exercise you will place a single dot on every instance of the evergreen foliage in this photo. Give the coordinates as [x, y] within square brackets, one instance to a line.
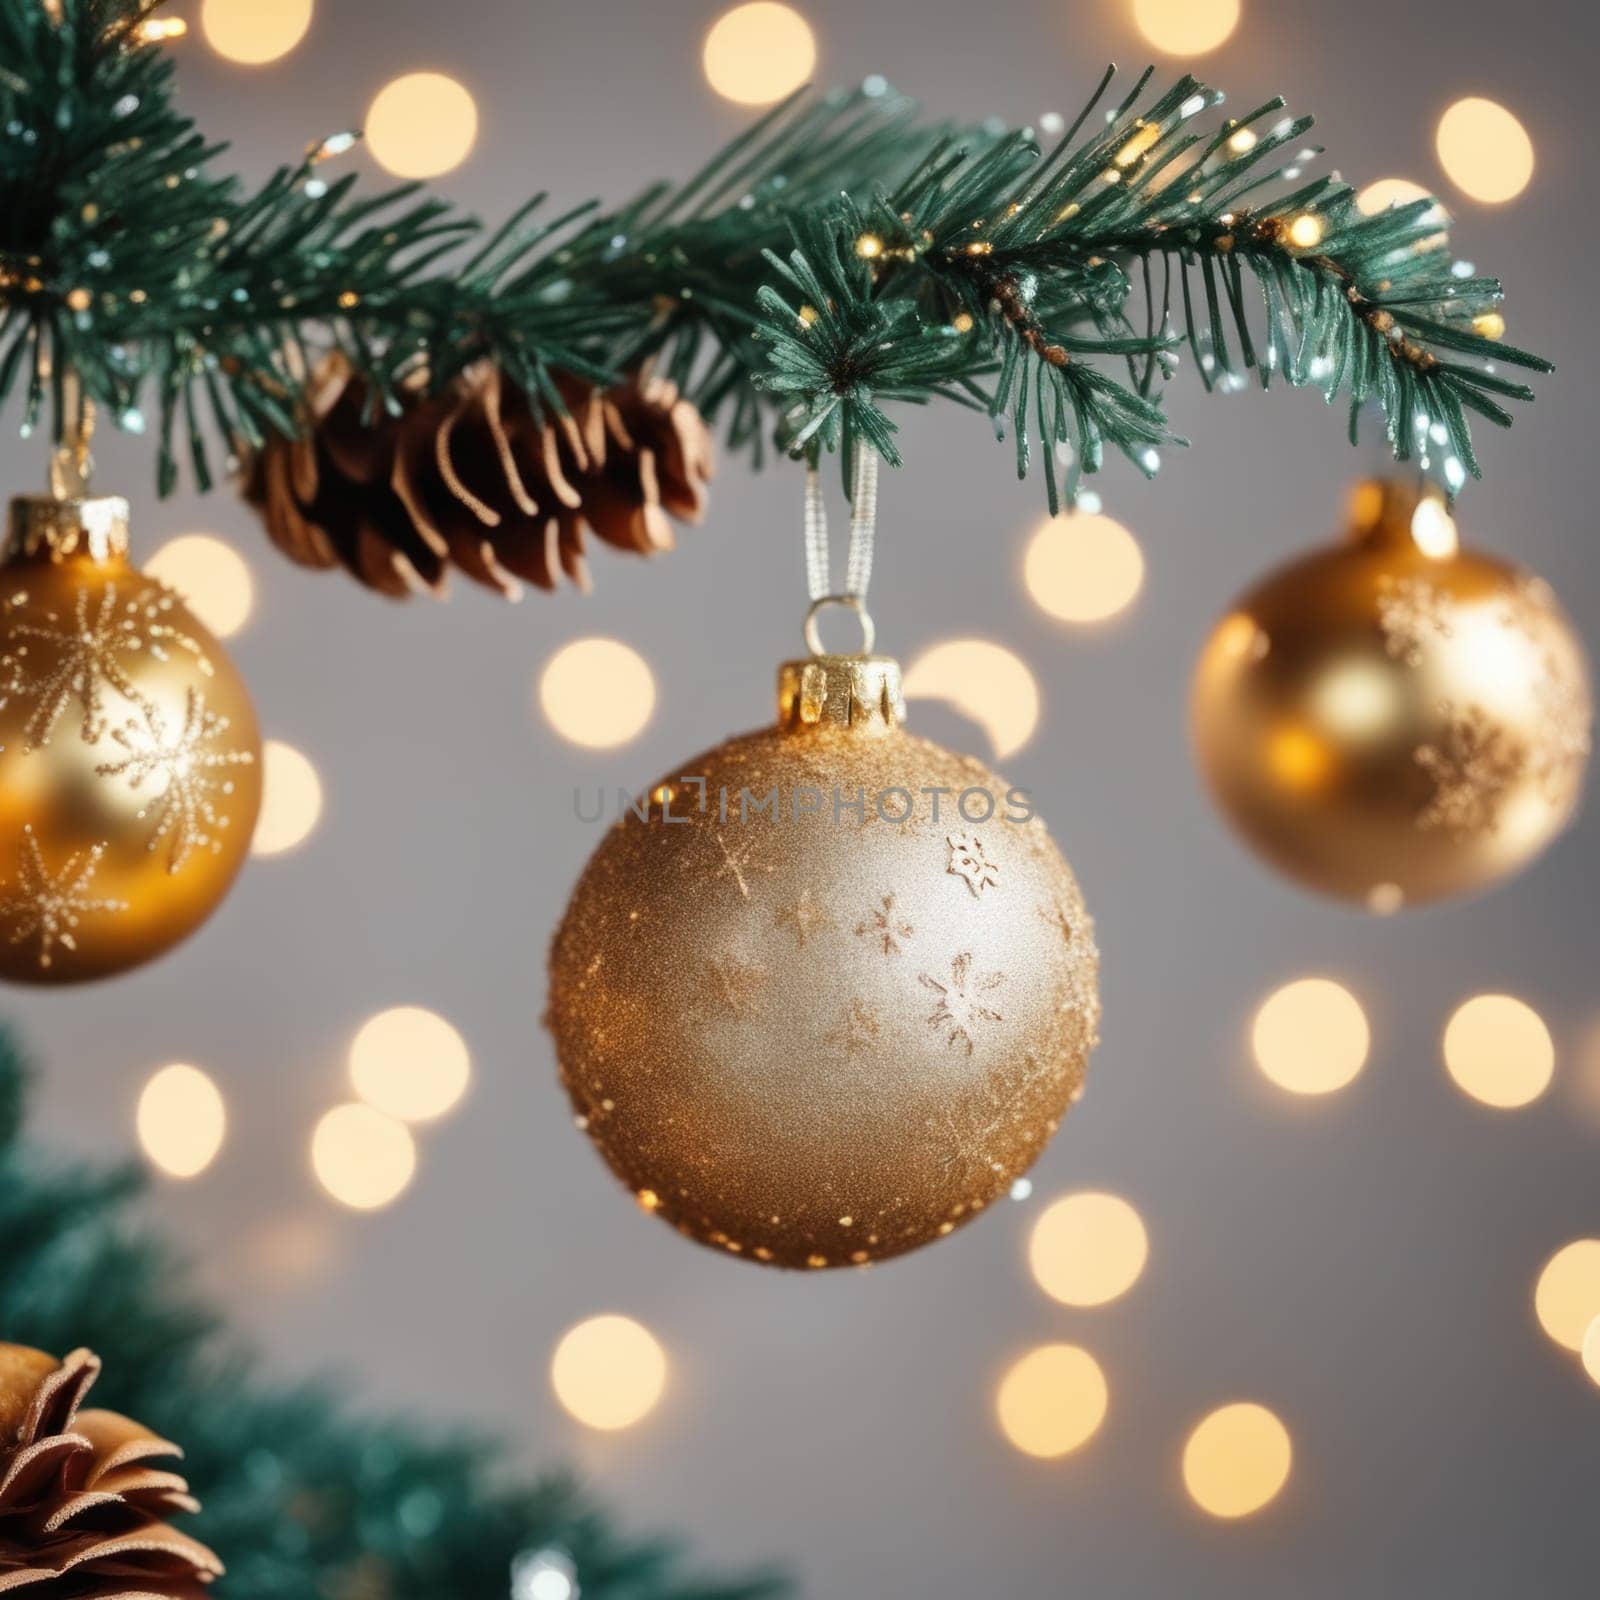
[303, 1498]
[840, 256]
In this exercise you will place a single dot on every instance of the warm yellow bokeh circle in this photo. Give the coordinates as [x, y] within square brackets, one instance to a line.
[422, 124]
[598, 693]
[182, 1120]
[211, 577]
[1088, 1248]
[1499, 1051]
[1484, 150]
[1186, 27]
[984, 681]
[1237, 1460]
[1052, 1400]
[1083, 568]
[1310, 1036]
[755, 54]
[291, 799]
[363, 1158]
[410, 1063]
[253, 32]
[609, 1371]
[1567, 1296]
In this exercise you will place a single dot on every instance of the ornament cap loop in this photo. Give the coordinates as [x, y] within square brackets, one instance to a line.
[850, 602]
[857, 692]
[95, 527]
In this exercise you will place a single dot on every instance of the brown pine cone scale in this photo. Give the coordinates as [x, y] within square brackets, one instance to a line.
[85, 1496]
[478, 479]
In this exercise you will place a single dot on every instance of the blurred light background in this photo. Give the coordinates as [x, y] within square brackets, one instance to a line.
[1300, 1301]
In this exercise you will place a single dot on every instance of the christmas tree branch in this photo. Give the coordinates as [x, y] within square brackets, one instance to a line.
[875, 259]
[1026, 251]
[303, 1497]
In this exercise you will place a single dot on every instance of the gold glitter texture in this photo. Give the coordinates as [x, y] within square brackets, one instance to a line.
[1420, 726]
[853, 1051]
[129, 757]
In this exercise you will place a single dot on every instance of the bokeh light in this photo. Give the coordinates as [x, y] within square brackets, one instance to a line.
[597, 692]
[1052, 1400]
[609, 1371]
[1499, 1051]
[1434, 530]
[409, 1062]
[1237, 1460]
[1186, 27]
[1088, 1248]
[1567, 1296]
[291, 799]
[755, 54]
[181, 1121]
[422, 124]
[211, 576]
[1591, 1350]
[254, 31]
[362, 1157]
[984, 681]
[1384, 193]
[1310, 1036]
[1484, 150]
[1083, 568]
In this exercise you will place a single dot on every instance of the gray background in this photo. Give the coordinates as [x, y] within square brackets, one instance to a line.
[1363, 1264]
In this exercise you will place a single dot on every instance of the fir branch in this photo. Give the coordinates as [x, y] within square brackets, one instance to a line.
[303, 1497]
[935, 263]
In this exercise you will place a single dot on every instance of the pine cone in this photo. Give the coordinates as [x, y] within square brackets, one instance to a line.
[83, 1507]
[475, 478]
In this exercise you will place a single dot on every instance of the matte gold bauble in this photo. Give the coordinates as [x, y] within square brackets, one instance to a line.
[829, 990]
[1395, 719]
[130, 763]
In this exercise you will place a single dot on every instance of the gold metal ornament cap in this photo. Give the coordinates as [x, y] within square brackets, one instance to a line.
[861, 693]
[57, 529]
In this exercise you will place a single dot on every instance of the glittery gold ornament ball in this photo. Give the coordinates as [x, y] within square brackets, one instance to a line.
[807, 1033]
[1395, 719]
[130, 763]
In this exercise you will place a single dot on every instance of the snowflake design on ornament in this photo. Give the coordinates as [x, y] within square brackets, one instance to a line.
[736, 986]
[1472, 765]
[805, 916]
[195, 775]
[881, 926]
[1562, 745]
[857, 1030]
[962, 1006]
[968, 861]
[50, 907]
[1413, 614]
[89, 651]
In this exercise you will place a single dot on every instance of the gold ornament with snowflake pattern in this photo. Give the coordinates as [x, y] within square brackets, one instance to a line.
[48, 906]
[193, 775]
[801, 1038]
[128, 747]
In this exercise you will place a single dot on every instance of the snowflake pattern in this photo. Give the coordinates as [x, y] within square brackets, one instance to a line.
[857, 1030]
[1561, 749]
[970, 1136]
[736, 986]
[48, 907]
[882, 926]
[968, 861]
[962, 1006]
[805, 916]
[1413, 614]
[738, 862]
[193, 775]
[1472, 766]
[87, 655]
